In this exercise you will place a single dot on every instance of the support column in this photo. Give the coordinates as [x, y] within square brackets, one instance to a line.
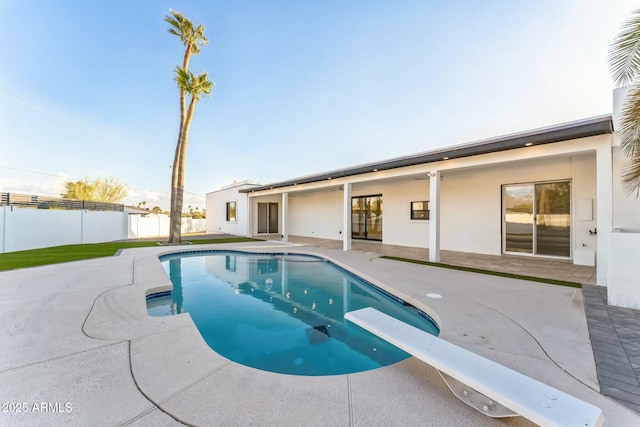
[249, 227]
[604, 219]
[346, 218]
[434, 216]
[285, 211]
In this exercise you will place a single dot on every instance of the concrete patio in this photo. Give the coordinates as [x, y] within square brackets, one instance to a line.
[77, 338]
[526, 266]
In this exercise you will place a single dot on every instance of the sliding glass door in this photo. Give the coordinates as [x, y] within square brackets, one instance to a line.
[366, 217]
[537, 218]
[553, 219]
[267, 218]
[518, 218]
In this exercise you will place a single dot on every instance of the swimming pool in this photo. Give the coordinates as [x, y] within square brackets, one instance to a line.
[280, 312]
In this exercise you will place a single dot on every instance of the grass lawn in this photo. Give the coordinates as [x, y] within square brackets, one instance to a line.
[56, 254]
[493, 273]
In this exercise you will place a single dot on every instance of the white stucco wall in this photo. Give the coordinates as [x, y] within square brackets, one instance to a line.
[397, 226]
[319, 213]
[623, 281]
[316, 214]
[583, 207]
[216, 205]
[471, 201]
[626, 210]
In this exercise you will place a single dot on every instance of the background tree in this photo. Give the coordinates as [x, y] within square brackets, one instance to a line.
[107, 190]
[192, 37]
[624, 61]
[197, 214]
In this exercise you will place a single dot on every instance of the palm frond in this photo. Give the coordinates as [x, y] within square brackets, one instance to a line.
[184, 29]
[630, 123]
[199, 85]
[199, 35]
[631, 177]
[183, 78]
[624, 52]
[630, 141]
[175, 20]
[171, 21]
[179, 26]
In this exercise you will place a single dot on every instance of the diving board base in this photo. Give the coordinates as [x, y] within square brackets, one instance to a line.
[485, 385]
[475, 399]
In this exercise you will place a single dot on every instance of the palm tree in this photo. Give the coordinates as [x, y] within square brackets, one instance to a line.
[196, 86]
[192, 37]
[624, 61]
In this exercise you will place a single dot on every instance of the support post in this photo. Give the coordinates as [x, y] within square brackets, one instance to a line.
[249, 228]
[604, 219]
[346, 218]
[285, 209]
[434, 216]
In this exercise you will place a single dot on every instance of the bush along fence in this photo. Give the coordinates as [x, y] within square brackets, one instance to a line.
[44, 202]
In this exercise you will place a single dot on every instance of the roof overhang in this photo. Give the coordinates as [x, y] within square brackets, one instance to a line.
[567, 131]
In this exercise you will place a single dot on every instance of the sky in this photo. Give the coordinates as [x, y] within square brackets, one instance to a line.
[302, 86]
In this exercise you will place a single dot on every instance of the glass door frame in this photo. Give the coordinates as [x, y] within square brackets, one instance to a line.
[534, 225]
[265, 216]
[367, 217]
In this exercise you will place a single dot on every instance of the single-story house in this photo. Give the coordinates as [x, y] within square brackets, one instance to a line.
[552, 192]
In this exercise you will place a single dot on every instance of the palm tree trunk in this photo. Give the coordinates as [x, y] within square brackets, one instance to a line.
[181, 167]
[175, 235]
[175, 213]
[187, 56]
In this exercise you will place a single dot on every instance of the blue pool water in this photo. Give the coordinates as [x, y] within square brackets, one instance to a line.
[281, 313]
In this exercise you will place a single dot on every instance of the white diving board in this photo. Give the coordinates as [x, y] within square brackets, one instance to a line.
[489, 387]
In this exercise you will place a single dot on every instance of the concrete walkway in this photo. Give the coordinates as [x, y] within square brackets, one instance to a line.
[615, 337]
[78, 348]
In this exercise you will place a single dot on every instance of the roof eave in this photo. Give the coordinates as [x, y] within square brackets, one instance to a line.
[574, 130]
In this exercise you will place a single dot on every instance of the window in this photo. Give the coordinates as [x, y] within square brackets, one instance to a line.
[420, 210]
[231, 211]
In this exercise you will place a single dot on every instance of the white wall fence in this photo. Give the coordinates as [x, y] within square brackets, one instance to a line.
[158, 226]
[23, 228]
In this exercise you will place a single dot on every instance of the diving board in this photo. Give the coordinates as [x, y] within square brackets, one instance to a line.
[487, 386]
